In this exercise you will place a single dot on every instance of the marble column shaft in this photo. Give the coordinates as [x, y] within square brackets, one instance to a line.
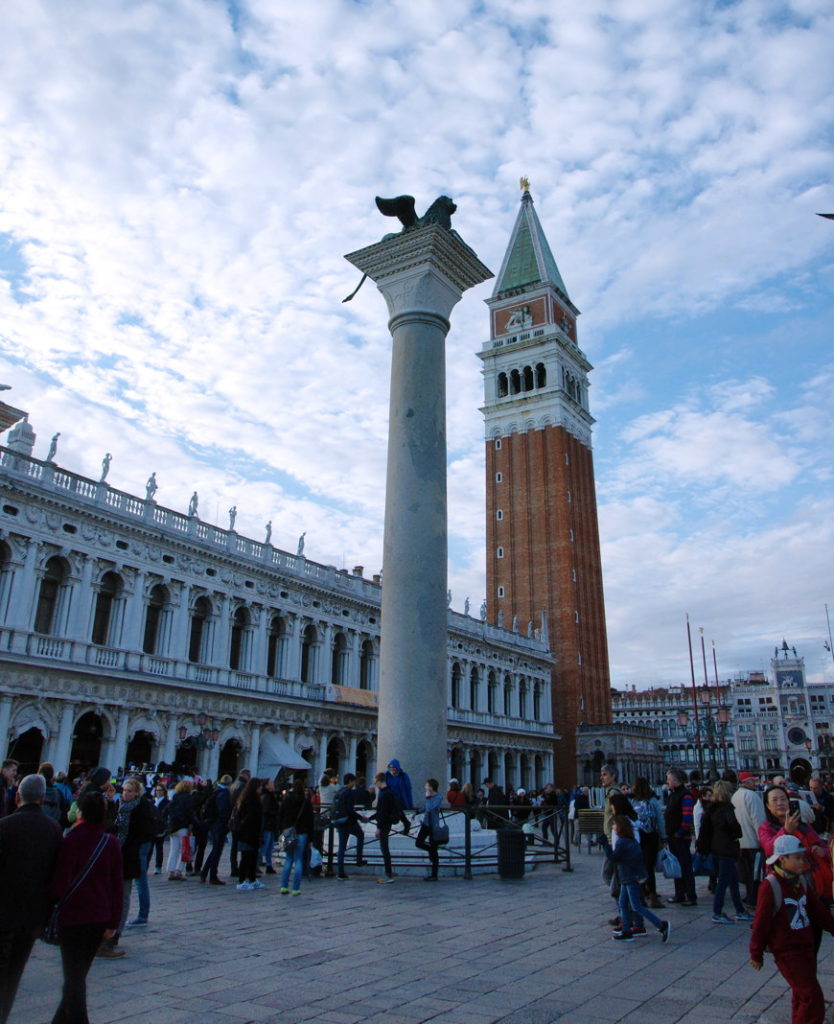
[422, 275]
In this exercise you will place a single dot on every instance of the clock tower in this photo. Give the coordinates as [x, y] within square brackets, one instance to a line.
[543, 563]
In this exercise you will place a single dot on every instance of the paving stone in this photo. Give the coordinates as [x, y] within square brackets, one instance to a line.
[464, 952]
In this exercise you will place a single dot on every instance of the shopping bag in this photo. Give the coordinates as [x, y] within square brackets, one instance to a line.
[668, 864]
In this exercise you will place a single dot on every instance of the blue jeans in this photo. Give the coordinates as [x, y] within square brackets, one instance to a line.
[142, 887]
[345, 832]
[727, 877]
[267, 846]
[296, 861]
[632, 910]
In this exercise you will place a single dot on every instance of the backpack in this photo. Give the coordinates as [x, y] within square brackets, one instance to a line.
[54, 805]
[645, 815]
[234, 819]
[207, 811]
[340, 814]
[777, 890]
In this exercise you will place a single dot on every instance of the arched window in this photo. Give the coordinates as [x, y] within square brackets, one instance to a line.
[502, 385]
[515, 382]
[541, 375]
[492, 693]
[87, 739]
[456, 675]
[309, 639]
[364, 757]
[52, 583]
[537, 702]
[366, 663]
[158, 600]
[109, 591]
[237, 648]
[474, 689]
[508, 695]
[522, 698]
[274, 646]
[339, 662]
[528, 378]
[198, 636]
[509, 771]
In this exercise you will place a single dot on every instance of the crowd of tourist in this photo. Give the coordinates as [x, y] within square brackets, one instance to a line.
[89, 842]
[774, 841]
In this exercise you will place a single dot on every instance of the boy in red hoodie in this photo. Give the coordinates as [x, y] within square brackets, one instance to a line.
[785, 910]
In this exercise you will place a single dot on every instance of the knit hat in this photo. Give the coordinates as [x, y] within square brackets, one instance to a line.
[99, 777]
[784, 846]
[744, 776]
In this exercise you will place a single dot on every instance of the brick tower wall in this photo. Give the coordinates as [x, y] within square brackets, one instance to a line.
[550, 536]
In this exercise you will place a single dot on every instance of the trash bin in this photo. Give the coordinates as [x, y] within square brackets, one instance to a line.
[511, 848]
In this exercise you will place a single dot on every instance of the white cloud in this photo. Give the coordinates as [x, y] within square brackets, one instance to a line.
[183, 184]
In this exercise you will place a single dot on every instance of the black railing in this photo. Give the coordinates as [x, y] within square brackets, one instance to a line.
[546, 832]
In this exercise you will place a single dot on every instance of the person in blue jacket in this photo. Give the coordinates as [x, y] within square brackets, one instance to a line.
[431, 819]
[399, 783]
[628, 857]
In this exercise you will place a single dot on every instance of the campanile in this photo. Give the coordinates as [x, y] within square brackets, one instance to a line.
[543, 563]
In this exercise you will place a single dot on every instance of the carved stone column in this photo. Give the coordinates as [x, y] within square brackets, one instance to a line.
[422, 275]
[5, 718]
[63, 746]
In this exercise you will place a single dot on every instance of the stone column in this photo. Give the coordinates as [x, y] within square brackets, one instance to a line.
[213, 763]
[63, 746]
[169, 744]
[116, 749]
[422, 275]
[25, 582]
[353, 747]
[254, 754]
[5, 719]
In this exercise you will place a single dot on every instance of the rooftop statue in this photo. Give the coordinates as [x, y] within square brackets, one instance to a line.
[53, 448]
[402, 207]
[440, 212]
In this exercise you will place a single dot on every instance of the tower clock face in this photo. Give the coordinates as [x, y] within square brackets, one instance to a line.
[796, 736]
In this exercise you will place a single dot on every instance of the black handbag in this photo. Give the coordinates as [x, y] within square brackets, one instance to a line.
[289, 836]
[50, 933]
[440, 832]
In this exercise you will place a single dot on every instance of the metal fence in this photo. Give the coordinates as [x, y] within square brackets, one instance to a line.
[546, 834]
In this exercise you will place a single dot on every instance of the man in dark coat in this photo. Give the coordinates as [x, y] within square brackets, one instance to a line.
[497, 800]
[218, 815]
[29, 843]
[8, 776]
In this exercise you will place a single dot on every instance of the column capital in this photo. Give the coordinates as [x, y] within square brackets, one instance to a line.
[424, 271]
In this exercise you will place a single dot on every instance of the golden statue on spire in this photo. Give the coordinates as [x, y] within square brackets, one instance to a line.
[524, 184]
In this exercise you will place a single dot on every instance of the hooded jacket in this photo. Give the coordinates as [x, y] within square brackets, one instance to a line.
[400, 785]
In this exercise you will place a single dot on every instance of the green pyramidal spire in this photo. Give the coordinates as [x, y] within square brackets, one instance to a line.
[528, 259]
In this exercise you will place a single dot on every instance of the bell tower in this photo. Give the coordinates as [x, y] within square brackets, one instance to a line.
[543, 563]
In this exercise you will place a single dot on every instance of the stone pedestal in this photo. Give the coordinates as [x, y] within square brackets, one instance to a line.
[422, 275]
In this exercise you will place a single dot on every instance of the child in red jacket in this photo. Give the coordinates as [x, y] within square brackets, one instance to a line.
[785, 910]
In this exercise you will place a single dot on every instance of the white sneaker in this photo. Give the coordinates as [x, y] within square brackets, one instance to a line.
[244, 887]
[385, 880]
[256, 885]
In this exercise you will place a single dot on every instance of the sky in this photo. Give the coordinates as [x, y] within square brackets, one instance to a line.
[182, 178]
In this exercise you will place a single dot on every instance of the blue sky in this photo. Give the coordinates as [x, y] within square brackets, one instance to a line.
[182, 179]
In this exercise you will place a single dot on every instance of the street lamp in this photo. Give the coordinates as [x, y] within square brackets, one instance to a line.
[207, 735]
[714, 729]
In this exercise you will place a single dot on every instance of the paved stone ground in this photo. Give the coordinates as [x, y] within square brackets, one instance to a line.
[478, 952]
